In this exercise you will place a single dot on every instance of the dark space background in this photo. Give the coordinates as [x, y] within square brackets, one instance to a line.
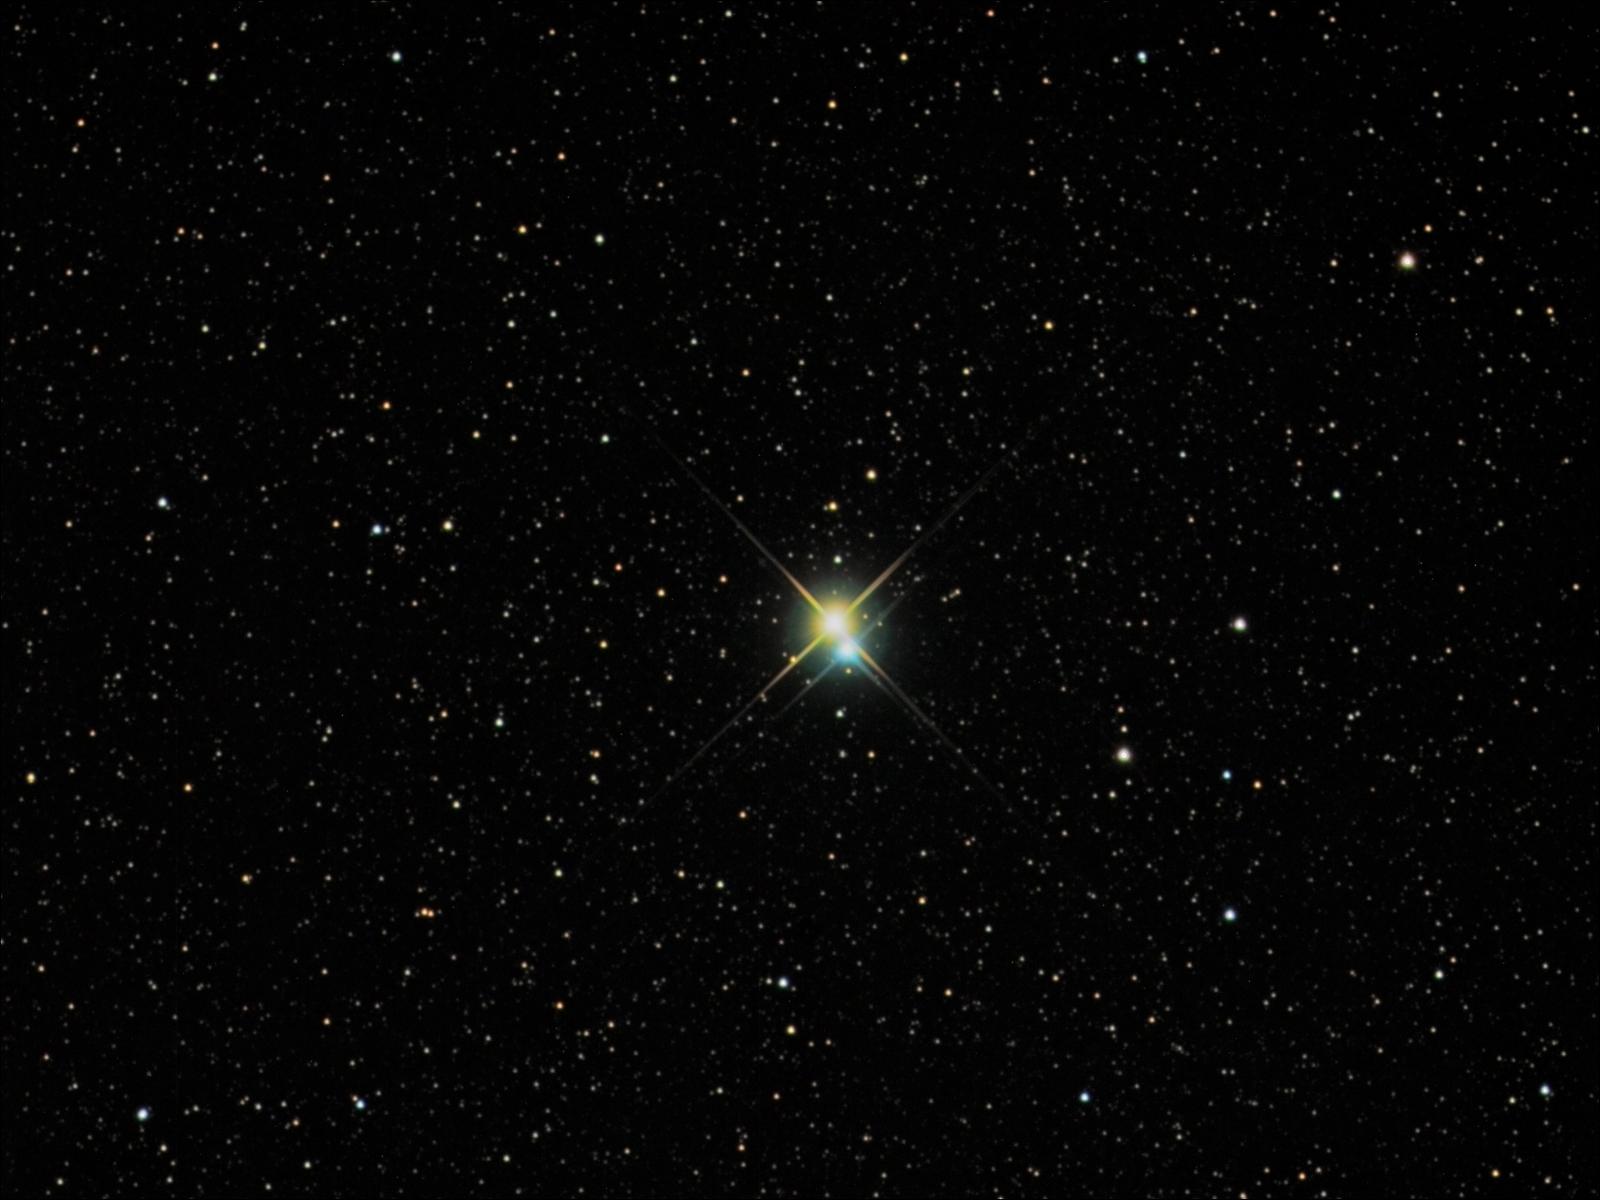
[359, 601]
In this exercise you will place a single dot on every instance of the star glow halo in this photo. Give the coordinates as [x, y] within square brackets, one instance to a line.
[837, 625]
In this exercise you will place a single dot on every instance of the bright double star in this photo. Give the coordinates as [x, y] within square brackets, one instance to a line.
[841, 625]
[837, 624]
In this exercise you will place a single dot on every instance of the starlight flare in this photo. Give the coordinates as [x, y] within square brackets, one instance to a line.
[836, 624]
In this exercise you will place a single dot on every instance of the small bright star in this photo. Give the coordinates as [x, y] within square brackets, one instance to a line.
[783, 982]
[142, 1114]
[1408, 261]
[1226, 773]
[1142, 56]
[1240, 625]
[394, 56]
[599, 239]
[1229, 914]
[163, 502]
[1083, 1097]
[1124, 754]
[361, 1105]
[1544, 1089]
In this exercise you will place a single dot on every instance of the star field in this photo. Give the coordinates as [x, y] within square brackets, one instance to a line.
[792, 601]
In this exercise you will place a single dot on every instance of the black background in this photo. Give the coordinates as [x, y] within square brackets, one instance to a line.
[359, 601]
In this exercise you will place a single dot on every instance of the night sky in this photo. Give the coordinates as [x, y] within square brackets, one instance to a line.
[425, 771]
